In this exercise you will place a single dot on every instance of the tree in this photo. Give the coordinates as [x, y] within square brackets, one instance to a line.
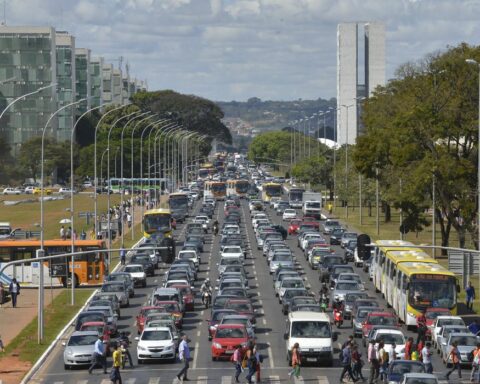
[6, 160]
[314, 170]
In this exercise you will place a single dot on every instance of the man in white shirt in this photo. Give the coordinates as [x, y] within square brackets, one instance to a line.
[184, 356]
[99, 355]
[427, 358]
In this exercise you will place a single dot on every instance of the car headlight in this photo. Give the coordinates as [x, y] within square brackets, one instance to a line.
[326, 349]
[69, 351]
[169, 347]
[140, 348]
[216, 345]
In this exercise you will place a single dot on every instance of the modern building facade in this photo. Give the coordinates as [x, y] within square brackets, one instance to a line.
[83, 86]
[107, 77]
[96, 81]
[117, 86]
[65, 56]
[350, 90]
[27, 63]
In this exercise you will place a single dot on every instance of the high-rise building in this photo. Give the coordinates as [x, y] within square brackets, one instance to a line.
[27, 63]
[82, 64]
[107, 71]
[65, 56]
[96, 81]
[350, 90]
[117, 85]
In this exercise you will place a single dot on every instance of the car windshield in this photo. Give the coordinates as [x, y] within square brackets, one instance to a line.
[310, 329]
[390, 338]
[292, 284]
[240, 307]
[469, 341]
[229, 333]
[448, 331]
[282, 257]
[136, 268]
[332, 224]
[231, 284]
[434, 314]
[156, 335]
[363, 313]
[156, 222]
[187, 255]
[232, 250]
[117, 277]
[242, 321]
[79, 340]
[332, 261]
[295, 292]
[217, 316]
[112, 288]
[229, 261]
[442, 322]
[94, 328]
[349, 277]
[382, 320]
[347, 286]
[423, 380]
[432, 291]
[400, 368]
[340, 270]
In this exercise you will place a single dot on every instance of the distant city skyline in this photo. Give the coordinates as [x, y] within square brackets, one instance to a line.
[236, 49]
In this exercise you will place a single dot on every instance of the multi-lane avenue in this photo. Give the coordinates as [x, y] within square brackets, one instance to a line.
[269, 329]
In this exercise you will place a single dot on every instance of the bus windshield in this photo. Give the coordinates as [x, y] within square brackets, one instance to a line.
[296, 195]
[219, 187]
[432, 291]
[273, 190]
[157, 223]
[242, 187]
[178, 202]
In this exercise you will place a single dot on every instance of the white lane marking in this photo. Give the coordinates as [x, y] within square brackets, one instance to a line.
[154, 380]
[226, 379]
[198, 333]
[274, 379]
[195, 355]
[82, 382]
[106, 381]
[270, 357]
[56, 382]
[264, 321]
[201, 312]
[323, 380]
[130, 381]
[202, 379]
[260, 302]
[298, 380]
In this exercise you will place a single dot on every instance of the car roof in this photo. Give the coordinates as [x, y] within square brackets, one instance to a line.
[156, 329]
[307, 315]
[419, 375]
[134, 265]
[381, 314]
[84, 333]
[226, 326]
[165, 290]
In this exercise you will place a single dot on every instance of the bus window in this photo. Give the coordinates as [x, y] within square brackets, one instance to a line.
[404, 282]
[23, 253]
[5, 256]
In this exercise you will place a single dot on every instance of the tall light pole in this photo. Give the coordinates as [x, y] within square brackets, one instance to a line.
[166, 152]
[42, 224]
[101, 162]
[346, 160]
[335, 159]
[95, 194]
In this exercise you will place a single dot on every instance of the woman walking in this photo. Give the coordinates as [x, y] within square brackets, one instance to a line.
[296, 361]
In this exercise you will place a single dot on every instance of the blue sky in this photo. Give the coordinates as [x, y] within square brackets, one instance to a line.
[236, 49]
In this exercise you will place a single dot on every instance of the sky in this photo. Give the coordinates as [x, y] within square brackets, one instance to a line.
[236, 49]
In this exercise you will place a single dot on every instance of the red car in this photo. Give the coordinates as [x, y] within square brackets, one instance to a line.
[311, 221]
[144, 311]
[217, 316]
[242, 307]
[294, 227]
[99, 326]
[227, 338]
[431, 315]
[188, 296]
[173, 308]
[378, 318]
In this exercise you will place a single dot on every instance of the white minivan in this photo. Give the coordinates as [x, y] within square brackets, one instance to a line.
[313, 333]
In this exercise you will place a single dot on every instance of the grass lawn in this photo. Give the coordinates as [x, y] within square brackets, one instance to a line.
[26, 215]
[56, 316]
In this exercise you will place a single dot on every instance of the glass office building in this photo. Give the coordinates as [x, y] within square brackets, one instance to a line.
[82, 70]
[65, 46]
[27, 63]
[107, 70]
[96, 81]
[117, 85]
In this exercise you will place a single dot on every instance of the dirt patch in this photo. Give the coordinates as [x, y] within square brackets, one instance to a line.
[12, 369]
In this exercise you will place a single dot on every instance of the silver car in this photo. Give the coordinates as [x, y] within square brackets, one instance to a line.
[123, 276]
[79, 348]
[120, 289]
[345, 286]
[466, 343]
[280, 260]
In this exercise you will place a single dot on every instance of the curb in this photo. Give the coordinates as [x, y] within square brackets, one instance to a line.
[42, 358]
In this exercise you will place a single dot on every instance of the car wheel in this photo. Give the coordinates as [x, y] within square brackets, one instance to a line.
[140, 361]
[65, 366]
[214, 358]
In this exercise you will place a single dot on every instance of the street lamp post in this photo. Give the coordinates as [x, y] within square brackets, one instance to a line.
[346, 160]
[117, 149]
[101, 163]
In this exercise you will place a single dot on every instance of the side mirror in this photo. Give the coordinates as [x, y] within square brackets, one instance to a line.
[137, 338]
[334, 336]
[64, 344]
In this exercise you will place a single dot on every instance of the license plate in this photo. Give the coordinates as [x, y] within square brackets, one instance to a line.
[311, 359]
[229, 351]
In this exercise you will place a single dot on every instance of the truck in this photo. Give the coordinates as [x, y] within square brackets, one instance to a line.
[312, 204]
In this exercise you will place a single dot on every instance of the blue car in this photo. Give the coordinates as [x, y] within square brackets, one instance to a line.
[398, 368]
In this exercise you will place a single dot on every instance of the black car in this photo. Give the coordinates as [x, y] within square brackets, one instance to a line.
[289, 295]
[326, 265]
[194, 242]
[145, 261]
[280, 229]
[336, 236]
[350, 250]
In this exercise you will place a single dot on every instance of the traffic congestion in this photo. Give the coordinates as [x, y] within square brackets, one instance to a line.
[254, 288]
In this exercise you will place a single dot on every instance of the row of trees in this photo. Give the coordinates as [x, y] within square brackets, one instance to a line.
[191, 112]
[421, 138]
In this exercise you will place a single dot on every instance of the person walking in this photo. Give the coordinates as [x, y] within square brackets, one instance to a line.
[115, 376]
[427, 358]
[14, 289]
[470, 292]
[2, 294]
[63, 234]
[123, 255]
[296, 361]
[421, 326]
[475, 365]
[68, 233]
[129, 220]
[455, 355]
[408, 349]
[357, 363]
[2, 347]
[347, 363]
[237, 361]
[383, 359]
[374, 363]
[251, 363]
[99, 355]
[259, 359]
[184, 356]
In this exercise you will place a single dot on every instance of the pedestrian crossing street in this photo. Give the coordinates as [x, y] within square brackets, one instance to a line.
[271, 379]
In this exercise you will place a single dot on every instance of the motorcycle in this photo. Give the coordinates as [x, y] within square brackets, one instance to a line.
[215, 230]
[323, 303]
[338, 317]
[206, 298]
[124, 350]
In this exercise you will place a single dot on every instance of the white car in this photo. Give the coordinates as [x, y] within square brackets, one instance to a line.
[29, 190]
[156, 343]
[11, 191]
[87, 184]
[232, 251]
[390, 336]
[309, 236]
[415, 378]
[189, 255]
[442, 321]
[64, 190]
[137, 274]
[289, 214]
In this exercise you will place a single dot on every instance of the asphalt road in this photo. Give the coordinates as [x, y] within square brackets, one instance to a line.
[269, 331]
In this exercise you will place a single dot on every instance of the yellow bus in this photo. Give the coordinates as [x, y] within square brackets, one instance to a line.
[392, 260]
[270, 190]
[206, 170]
[383, 247]
[238, 187]
[157, 220]
[420, 285]
[215, 189]
[89, 268]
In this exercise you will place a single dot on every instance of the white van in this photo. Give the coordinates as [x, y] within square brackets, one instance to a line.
[5, 230]
[313, 333]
